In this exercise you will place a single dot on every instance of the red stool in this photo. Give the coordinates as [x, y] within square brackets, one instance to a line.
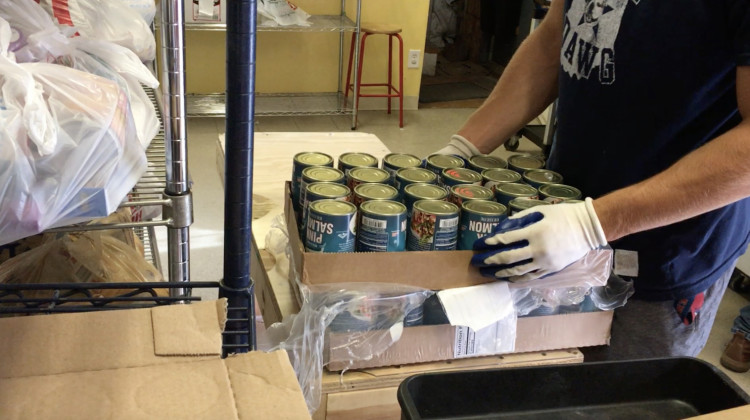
[392, 31]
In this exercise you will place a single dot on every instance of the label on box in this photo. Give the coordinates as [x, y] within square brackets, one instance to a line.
[465, 344]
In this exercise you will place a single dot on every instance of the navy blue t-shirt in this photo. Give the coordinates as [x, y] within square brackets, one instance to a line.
[643, 83]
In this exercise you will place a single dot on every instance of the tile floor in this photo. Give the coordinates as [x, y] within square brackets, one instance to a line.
[425, 130]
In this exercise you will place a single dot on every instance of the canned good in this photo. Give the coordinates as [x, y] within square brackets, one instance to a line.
[480, 163]
[392, 162]
[322, 191]
[436, 163]
[408, 176]
[522, 163]
[478, 219]
[460, 176]
[538, 177]
[368, 311]
[359, 176]
[506, 192]
[556, 193]
[301, 161]
[433, 226]
[382, 226]
[462, 193]
[495, 177]
[416, 192]
[351, 160]
[318, 174]
[331, 226]
[520, 204]
[367, 192]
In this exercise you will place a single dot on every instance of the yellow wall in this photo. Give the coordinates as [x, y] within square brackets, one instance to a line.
[307, 62]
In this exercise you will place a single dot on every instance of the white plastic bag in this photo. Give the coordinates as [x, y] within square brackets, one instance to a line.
[282, 12]
[145, 8]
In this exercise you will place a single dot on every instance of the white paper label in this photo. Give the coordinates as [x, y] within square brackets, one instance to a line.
[465, 344]
[626, 263]
[206, 8]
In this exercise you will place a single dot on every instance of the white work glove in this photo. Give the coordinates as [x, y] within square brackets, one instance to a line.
[459, 146]
[539, 241]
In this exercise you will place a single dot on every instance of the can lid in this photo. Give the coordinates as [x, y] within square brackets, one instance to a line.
[501, 175]
[543, 176]
[402, 160]
[328, 189]
[426, 191]
[376, 191]
[445, 161]
[519, 190]
[367, 174]
[383, 207]
[334, 207]
[358, 159]
[488, 162]
[472, 192]
[526, 162]
[565, 192]
[322, 173]
[436, 207]
[314, 158]
[485, 207]
[519, 204]
[416, 175]
[462, 174]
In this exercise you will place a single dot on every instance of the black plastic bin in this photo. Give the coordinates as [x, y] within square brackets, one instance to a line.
[668, 388]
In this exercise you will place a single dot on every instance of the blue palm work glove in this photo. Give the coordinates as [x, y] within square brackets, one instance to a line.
[539, 241]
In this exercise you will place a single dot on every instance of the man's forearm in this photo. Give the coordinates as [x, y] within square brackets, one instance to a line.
[527, 86]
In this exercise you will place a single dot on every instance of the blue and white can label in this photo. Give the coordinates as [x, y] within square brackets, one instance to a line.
[433, 226]
[382, 226]
[331, 226]
[478, 219]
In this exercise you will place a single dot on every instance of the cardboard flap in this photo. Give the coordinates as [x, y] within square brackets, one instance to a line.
[188, 330]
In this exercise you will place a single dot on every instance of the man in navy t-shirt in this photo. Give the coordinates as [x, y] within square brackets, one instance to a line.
[653, 125]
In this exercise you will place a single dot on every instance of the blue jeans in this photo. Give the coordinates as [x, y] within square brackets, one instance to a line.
[742, 322]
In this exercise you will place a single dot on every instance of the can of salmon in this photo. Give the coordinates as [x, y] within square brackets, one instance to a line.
[331, 226]
[392, 162]
[478, 219]
[506, 192]
[416, 192]
[522, 163]
[494, 177]
[538, 177]
[322, 191]
[351, 160]
[367, 192]
[437, 162]
[359, 176]
[520, 204]
[480, 163]
[318, 174]
[382, 226]
[461, 193]
[408, 176]
[433, 226]
[557, 193]
[460, 176]
[301, 161]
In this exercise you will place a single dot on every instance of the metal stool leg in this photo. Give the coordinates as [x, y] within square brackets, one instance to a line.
[349, 70]
[359, 73]
[390, 71]
[400, 81]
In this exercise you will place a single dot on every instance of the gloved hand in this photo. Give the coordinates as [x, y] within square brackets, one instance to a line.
[539, 241]
[459, 146]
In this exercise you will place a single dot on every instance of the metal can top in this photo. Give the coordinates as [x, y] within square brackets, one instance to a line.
[516, 190]
[402, 160]
[313, 158]
[472, 192]
[322, 173]
[416, 175]
[462, 175]
[445, 161]
[354, 159]
[500, 175]
[484, 207]
[328, 189]
[437, 207]
[526, 162]
[519, 204]
[373, 191]
[333, 207]
[383, 207]
[542, 176]
[487, 162]
[370, 175]
[564, 192]
[426, 191]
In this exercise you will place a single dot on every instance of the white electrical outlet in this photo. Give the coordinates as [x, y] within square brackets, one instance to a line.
[413, 59]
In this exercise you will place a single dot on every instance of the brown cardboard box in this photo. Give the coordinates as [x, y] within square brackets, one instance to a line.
[162, 362]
